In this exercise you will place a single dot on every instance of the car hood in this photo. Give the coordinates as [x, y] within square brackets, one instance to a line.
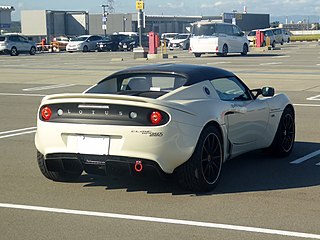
[75, 42]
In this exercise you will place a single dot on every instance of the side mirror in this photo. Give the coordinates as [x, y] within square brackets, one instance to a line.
[267, 91]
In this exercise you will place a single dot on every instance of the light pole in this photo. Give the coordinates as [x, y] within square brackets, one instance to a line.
[104, 18]
[124, 23]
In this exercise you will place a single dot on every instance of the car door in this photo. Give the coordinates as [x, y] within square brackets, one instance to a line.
[246, 118]
[24, 44]
[239, 39]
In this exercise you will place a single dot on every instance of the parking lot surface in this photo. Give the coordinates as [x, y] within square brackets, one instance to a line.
[258, 197]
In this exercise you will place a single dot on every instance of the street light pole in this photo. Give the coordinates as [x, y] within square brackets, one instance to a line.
[104, 19]
[124, 23]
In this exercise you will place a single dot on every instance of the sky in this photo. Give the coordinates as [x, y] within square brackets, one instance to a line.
[171, 7]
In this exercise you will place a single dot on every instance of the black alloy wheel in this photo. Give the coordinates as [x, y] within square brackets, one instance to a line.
[202, 171]
[211, 158]
[283, 142]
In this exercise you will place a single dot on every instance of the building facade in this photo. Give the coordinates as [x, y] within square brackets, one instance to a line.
[5, 17]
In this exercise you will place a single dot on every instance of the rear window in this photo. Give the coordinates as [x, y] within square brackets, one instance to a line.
[252, 33]
[135, 84]
[2, 38]
[204, 29]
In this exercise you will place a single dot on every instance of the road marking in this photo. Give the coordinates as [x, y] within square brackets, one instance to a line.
[306, 105]
[272, 63]
[216, 63]
[48, 87]
[22, 94]
[17, 132]
[314, 98]
[305, 158]
[281, 57]
[318, 164]
[162, 220]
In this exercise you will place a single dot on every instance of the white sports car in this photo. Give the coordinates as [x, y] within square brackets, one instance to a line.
[176, 118]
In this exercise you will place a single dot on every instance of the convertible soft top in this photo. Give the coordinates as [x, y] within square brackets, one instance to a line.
[193, 73]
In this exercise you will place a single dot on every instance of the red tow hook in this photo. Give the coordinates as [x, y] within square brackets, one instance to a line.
[138, 166]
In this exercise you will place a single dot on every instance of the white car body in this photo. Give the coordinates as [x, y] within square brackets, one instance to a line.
[180, 41]
[219, 38]
[98, 126]
[83, 43]
[15, 44]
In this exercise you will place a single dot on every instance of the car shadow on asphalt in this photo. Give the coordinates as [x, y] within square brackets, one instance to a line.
[251, 172]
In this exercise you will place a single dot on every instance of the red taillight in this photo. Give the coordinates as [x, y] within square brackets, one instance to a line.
[156, 118]
[46, 113]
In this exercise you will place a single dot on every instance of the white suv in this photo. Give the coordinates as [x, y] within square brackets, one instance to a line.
[15, 44]
[219, 38]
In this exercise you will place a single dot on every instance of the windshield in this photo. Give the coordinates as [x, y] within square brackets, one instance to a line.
[79, 39]
[204, 29]
[252, 33]
[136, 84]
[181, 37]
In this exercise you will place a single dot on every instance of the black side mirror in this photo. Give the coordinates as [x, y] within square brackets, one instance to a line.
[267, 91]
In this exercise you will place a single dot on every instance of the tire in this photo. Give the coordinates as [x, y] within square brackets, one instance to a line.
[282, 41]
[14, 51]
[283, 141]
[62, 176]
[288, 40]
[32, 51]
[85, 49]
[202, 171]
[273, 44]
[224, 52]
[245, 50]
[197, 55]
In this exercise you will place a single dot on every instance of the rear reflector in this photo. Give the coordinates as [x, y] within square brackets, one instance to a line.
[46, 113]
[156, 118]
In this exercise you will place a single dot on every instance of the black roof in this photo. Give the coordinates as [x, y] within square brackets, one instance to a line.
[193, 73]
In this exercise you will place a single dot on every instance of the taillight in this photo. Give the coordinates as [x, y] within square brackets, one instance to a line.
[156, 117]
[46, 113]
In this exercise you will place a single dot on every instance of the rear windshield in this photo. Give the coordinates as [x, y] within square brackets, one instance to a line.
[204, 29]
[2, 38]
[79, 39]
[146, 85]
[253, 33]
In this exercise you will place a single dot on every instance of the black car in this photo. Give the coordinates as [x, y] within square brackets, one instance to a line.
[132, 42]
[110, 42]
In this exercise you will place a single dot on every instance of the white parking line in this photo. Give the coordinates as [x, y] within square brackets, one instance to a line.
[22, 94]
[17, 132]
[306, 105]
[162, 220]
[305, 158]
[48, 87]
[272, 63]
[314, 98]
[216, 63]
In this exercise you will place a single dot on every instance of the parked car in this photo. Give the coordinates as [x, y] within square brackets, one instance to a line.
[14, 44]
[175, 118]
[219, 38]
[84, 43]
[131, 42]
[59, 43]
[167, 37]
[110, 42]
[267, 33]
[281, 35]
[180, 41]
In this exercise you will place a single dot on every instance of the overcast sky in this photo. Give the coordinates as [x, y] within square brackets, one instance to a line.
[180, 7]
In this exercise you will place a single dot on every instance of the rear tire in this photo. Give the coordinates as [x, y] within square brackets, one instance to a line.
[283, 141]
[32, 51]
[224, 52]
[197, 55]
[202, 171]
[245, 50]
[85, 48]
[61, 176]
[14, 51]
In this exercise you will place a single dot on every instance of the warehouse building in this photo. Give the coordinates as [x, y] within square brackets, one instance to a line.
[47, 23]
[5, 17]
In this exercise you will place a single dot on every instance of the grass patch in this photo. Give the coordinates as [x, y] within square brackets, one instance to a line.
[305, 38]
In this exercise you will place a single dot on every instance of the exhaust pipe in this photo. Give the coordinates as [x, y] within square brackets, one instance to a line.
[138, 166]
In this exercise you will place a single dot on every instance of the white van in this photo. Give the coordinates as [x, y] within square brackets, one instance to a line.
[219, 38]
